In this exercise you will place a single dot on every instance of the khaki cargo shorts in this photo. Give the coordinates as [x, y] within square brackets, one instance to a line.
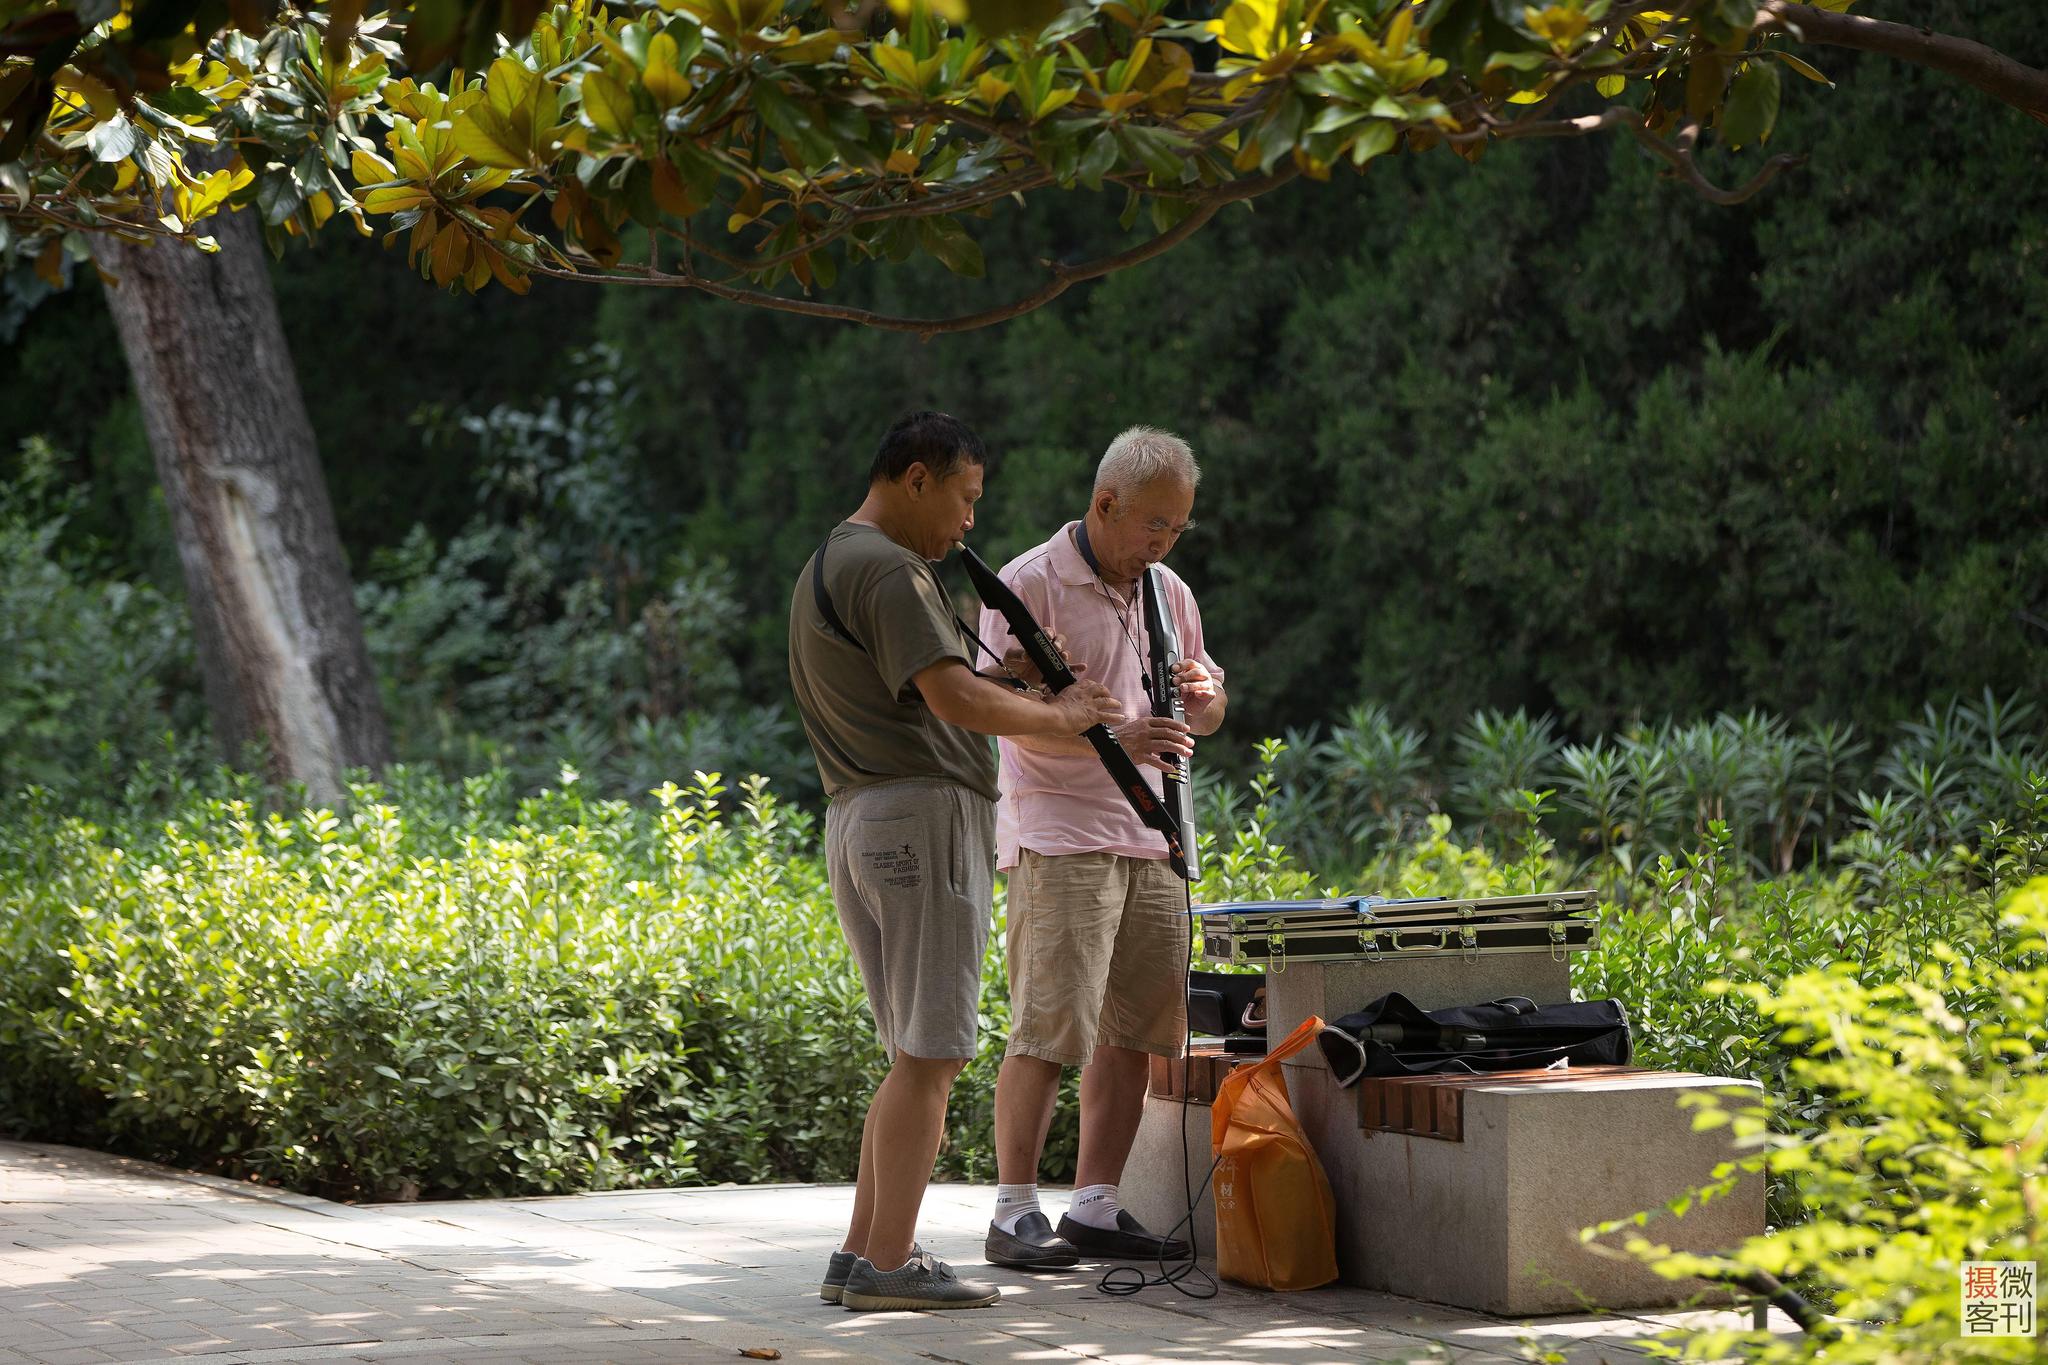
[1098, 955]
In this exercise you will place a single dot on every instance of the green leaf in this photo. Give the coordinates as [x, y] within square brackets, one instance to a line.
[607, 103]
[1805, 69]
[512, 87]
[278, 196]
[182, 101]
[635, 38]
[700, 170]
[1752, 108]
[1336, 117]
[489, 139]
[1098, 160]
[114, 140]
[664, 76]
[948, 241]
[1374, 141]
[1158, 150]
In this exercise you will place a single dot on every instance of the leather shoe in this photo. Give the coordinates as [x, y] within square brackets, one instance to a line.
[1033, 1246]
[1128, 1241]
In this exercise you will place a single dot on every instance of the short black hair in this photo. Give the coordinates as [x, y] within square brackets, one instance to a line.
[942, 442]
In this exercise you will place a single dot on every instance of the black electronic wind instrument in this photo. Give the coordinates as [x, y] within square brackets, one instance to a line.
[1038, 647]
[1163, 653]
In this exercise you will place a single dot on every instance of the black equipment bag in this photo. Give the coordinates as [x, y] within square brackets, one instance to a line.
[1222, 1003]
[1392, 1036]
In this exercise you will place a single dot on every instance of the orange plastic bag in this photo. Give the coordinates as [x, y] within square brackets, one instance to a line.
[1276, 1224]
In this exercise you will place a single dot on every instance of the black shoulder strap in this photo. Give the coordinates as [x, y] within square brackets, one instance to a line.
[832, 619]
[824, 600]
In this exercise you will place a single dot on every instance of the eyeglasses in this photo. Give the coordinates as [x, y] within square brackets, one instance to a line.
[1160, 526]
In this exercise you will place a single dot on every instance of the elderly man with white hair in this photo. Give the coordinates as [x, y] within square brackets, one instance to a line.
[1097, 943]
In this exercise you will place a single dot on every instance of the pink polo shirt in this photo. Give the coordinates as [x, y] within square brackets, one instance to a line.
[1060, 803]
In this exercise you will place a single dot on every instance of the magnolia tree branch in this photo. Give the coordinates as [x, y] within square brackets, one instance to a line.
[1997, 75]
[1064, 277]
[1490, 129]
[1678, 151]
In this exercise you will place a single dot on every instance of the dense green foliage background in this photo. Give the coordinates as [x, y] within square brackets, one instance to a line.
[1546, 432]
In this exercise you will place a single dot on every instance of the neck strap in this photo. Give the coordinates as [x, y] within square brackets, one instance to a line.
[1087, 550]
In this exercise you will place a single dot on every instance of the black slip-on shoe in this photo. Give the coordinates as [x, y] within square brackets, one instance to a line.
[1128, 1242]
[1033, 1246]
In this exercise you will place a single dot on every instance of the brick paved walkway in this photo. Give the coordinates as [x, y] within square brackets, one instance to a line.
[103, 1259]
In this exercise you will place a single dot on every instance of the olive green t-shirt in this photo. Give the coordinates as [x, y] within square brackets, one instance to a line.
[865, 718]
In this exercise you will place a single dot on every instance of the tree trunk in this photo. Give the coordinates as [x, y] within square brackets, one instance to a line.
[280, 644]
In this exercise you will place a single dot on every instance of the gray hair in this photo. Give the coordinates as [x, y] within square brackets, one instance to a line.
[1142, 454]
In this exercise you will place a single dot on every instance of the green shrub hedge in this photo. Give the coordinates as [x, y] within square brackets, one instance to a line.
[438, 992]
[455, 990]
[450, 991]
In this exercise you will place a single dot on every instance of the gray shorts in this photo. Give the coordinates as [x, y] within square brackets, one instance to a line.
[912, 866]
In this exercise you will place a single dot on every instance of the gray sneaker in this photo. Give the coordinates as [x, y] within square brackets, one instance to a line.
[836, 1271]
[839, 1267]
[923, 1282]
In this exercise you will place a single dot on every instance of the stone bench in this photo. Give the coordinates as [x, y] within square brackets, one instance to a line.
[1471, 1190]
[1465, 1190]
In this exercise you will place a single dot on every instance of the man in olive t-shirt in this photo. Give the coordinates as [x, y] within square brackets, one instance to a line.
[864, 716]
[898, 719]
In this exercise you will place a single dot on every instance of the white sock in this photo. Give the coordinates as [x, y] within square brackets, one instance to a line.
[1012, 1203]
[1096, 1206]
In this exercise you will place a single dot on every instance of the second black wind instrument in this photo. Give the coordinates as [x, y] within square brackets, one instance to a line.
[1163, 653]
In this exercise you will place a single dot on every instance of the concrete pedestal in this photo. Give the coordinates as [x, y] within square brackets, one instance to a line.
[1491, 1222]
[1152, 1187]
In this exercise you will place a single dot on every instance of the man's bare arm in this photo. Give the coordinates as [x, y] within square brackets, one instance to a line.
[1147, 739]
[961, 697]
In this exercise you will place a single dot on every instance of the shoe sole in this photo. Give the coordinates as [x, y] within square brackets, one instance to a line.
[1051, 1260]
[1126, 1253]
[829, 1292]
[871, 1303]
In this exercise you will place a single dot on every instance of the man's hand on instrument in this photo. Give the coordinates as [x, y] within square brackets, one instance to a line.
[1087, 704]
[1198, 689]
[1019, 664]
[1153, 739]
